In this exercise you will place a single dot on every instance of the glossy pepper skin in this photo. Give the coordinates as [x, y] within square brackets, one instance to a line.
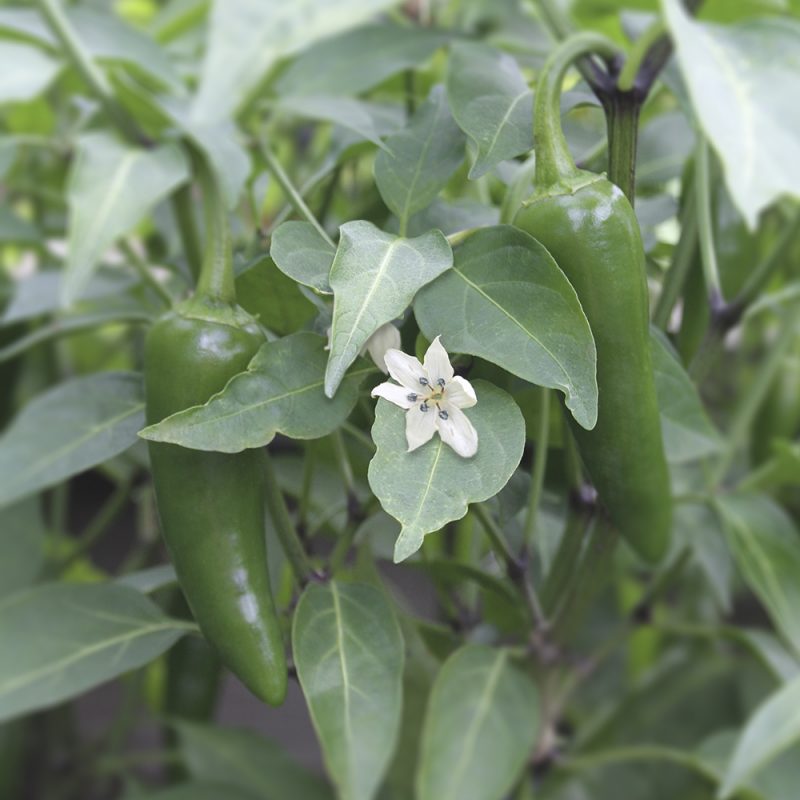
[589, 227]
[211, 504]
[594, 237]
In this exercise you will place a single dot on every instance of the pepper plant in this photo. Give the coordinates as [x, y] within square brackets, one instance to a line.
[423, 376]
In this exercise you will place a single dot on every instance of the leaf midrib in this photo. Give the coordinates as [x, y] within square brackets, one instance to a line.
[43, 463]
[568, 383]
[55, 666]
[175, 418]
[480, 715]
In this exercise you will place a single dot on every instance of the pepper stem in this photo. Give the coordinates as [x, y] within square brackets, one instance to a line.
[554, 162]
[216, 272]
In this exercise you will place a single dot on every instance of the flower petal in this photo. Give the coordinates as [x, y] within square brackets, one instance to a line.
[457, 431]
[460, 393]
[386, 338]
[394, 394]
[405, 369]
[420, 426]
[437, 363]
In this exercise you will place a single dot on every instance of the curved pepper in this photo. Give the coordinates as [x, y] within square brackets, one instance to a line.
[211, 505]
[589, 227]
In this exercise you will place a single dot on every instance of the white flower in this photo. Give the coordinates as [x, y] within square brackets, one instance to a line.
[384, 339]
[433, 398]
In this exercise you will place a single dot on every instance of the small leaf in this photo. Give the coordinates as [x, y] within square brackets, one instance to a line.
[150, 579]
[13, 228]
[112, 186]
[281, 392]
[198, 790]
[21, 546]
[773, 728]
[739, 77]
[710, 550]
[68, 429]
[70, 637]
[507, 301]
[100, 36]
[300, 252]
[371, 121]
[688, 432]
[245, 760]
[480, 727]
[452, 216]
[664, 144]
[491, 102]
[349, 655]
[27, 72]
[766, 546]
[374, 278]
[274, 299]
[219, 142]
[382, 51]
[433, 485]
[114, 311]
[769, 650]
[40, 293]
[419, 159]
[247, 37]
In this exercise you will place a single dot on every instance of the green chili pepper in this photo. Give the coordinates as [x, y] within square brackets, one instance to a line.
[590, 228]
[211, 505]
[194, 671]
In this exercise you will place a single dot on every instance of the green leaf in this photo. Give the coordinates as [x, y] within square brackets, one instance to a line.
[687, 431]
[247, 37]
[245, 760]
[70, 637]
[419, 159]
[102, 36]
[739, 77]
[766, 546]
[150, 579]
[112, 186]
[219, 142]
[452, 216]
[68, 429]
[14, 228]
[491, 102]
[40, 293]
[281, 392]
[773, 728]
[349, 655]
[274, 299]
[371, 121]
[114, 311]
[782, 469]
[374, 277]
[507, 301]
[27, 72]
[663, 146]
[300, 252]
[21, 546]
[419, 672]
[480, 727]
[380, 51]
[198, 790]
[770, 652]
[710, 549]
[433, 485]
